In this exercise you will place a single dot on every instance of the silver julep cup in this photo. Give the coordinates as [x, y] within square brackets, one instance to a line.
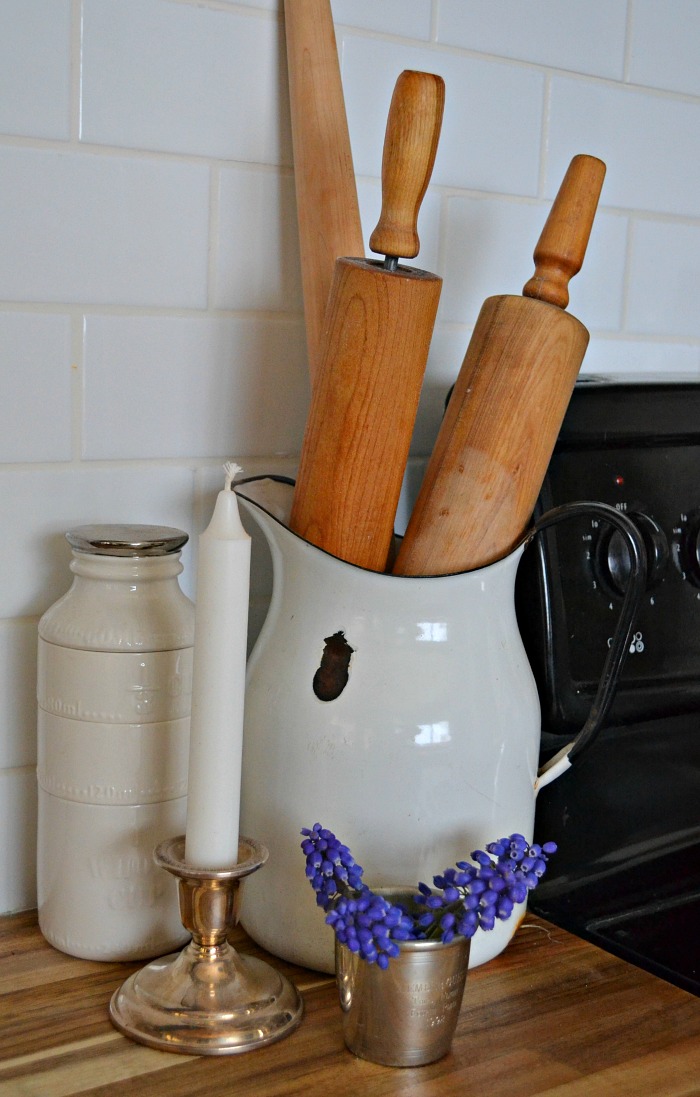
[407, 1014]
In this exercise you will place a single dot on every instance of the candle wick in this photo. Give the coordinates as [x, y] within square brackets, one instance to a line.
[231, 469]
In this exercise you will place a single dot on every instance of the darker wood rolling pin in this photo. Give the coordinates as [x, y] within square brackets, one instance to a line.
[508, 403]
[327, 208]
[378, 327]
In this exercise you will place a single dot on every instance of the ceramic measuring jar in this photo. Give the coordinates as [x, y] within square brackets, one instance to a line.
[114, 691]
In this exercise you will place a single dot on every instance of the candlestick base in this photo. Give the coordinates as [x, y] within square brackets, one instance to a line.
[207, 999]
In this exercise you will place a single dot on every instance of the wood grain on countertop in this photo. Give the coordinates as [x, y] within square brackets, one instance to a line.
[552, 1016]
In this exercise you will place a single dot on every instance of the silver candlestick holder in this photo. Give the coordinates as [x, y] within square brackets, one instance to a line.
[207, 999]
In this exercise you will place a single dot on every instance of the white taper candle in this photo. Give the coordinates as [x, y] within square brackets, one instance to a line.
[218, 687]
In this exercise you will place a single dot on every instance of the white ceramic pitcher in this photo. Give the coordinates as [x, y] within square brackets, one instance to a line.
[426, 744]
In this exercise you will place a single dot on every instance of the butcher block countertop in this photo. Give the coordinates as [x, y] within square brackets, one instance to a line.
[551, 1016]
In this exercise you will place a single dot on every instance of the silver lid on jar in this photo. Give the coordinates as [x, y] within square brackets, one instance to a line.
[126, 540]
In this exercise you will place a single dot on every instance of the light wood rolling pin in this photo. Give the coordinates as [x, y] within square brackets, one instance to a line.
[376, 339]
[327, 208]
[508, 403]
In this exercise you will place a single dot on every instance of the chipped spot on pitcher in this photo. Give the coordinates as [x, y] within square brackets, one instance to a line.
[332, 675]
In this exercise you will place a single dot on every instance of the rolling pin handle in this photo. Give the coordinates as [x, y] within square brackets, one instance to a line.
[410, 145]
[561, 248]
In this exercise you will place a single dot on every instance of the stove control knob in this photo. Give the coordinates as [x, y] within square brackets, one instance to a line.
[613, 557]
[689, 550]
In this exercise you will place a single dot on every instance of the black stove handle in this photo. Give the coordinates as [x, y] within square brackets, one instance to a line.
[622, 637]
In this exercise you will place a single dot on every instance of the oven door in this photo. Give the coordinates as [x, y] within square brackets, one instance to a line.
[627, 872]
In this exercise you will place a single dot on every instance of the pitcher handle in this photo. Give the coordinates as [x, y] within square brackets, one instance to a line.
[622, 637]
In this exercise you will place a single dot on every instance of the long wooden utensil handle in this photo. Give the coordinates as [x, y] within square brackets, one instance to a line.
[410, 145]
[379, 323]
[511, 394]
[327, 207]
[561, 248]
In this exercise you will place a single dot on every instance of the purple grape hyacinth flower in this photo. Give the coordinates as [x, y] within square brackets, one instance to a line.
[463, 898]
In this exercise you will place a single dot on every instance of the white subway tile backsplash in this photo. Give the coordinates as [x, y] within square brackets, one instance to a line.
[38, 507]
[609, 357]
[158, 387]
[587, 38]
[369, 198]
[184, 78]
[488, 251]
[35, 70]
[491, 131]
[650, 143]
[390, 16]
[265, 5]
[35, 387]
[664, 288]
[257, 263]
[596, 294]
[447, 350]
[102, 229]
[664, 45]
[18, 647]
[18, 811]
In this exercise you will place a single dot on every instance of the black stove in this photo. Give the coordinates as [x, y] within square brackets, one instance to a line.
[626, 816]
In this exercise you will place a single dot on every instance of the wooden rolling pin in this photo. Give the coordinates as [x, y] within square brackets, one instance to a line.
[327, 209]
[375, 345]
[508, 403]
